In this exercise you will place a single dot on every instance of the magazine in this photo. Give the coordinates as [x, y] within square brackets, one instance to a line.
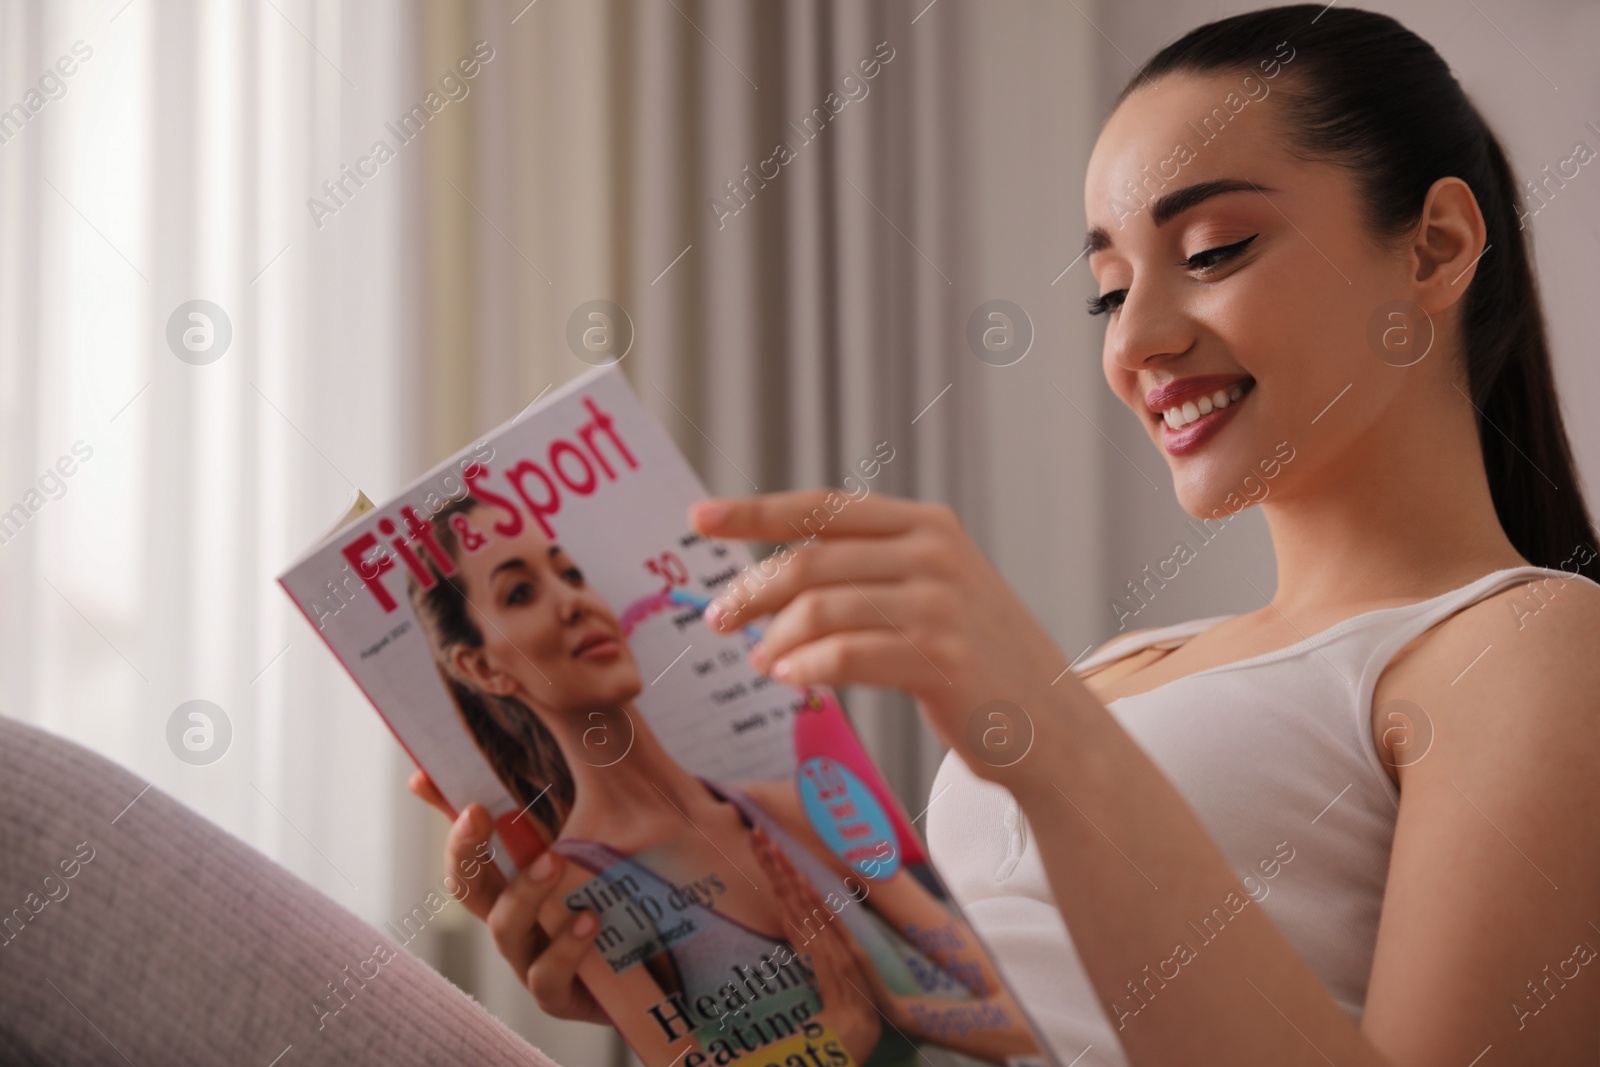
[527, 620]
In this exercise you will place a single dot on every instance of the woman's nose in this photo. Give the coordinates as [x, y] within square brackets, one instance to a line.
[571, 606]
[1151, 326]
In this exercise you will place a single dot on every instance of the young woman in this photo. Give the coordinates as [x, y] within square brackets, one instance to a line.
[546, 682]
[1355, 825]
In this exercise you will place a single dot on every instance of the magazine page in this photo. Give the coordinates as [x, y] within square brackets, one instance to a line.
[527, 619]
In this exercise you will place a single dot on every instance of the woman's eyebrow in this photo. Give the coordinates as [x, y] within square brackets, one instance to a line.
[514, 563]
[1167, 207]
[518, 561]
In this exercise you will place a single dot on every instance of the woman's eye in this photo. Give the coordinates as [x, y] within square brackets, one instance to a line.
[573, 575]
[519, 593]
[1212, 257]
[1208, 260]
[1101, 304]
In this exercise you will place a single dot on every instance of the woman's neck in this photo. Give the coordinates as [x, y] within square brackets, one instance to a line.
[622, 775]
[1407, 513]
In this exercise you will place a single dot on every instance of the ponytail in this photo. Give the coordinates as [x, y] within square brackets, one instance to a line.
[1532, 475]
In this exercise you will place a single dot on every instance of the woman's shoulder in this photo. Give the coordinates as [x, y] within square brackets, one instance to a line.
[1549, 622]
[1545, 609]
[1534, 640]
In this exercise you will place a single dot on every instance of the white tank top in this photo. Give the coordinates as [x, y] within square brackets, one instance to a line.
[1274, 753]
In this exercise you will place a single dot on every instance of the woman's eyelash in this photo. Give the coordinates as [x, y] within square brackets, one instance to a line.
[1099, 305]
[1225, 252]
[1202, 261]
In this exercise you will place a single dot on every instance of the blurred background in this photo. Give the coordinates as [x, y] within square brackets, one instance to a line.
[388, 218]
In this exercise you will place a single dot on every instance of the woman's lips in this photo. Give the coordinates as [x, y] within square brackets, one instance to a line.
[606, 648]
[1197, 433]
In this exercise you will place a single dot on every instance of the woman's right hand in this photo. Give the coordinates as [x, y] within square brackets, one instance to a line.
[844, 971]
[547, 965]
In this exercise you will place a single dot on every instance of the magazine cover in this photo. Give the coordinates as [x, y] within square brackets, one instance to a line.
[527, 620]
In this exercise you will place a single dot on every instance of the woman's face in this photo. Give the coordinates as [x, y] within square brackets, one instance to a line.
[548, 638]
[1263, 297]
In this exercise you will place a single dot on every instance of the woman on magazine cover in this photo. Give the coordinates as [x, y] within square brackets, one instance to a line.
[544, 678]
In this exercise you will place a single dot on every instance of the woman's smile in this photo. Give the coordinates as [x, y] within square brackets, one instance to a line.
[597, 646]
[1193, 410]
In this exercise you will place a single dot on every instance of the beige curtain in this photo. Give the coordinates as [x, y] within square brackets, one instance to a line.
[168, 159]
[790, 309]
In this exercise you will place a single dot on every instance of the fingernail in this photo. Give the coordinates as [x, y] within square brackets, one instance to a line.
[713, 614]
[780, 670]
[585, 924]
[754, 655]
[540, 868]
[463, 822]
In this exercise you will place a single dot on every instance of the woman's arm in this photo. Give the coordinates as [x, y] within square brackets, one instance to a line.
[1488, 935]
[895, 594]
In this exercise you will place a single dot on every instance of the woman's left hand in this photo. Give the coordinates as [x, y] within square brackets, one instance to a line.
[891, 592]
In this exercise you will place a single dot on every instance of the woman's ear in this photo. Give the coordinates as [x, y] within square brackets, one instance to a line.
[1448, 244]
[473, 666]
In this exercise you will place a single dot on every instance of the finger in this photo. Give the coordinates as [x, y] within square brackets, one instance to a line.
[514, 918]
[863, 958]
[810, 899]
[785, 878]
[789, 876]
[423, 788]
[776, 877]
[838, 969]
[762, 588]
[468, 852]
[880, 657]
[778, 516]
[553, 978]
[844, 958]
[816, 613]
[838, 928]
[781, 879]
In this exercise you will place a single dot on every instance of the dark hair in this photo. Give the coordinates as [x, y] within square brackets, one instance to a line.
[521, 749]
[1366, 93]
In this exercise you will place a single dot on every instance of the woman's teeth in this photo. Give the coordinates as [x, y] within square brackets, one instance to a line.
[1190, 410]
